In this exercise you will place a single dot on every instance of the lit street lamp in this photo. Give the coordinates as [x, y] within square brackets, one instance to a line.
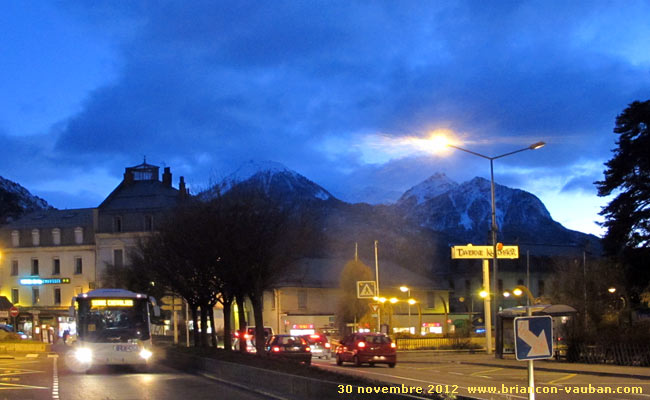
[495, 268]
[405, 289]
[411, 302]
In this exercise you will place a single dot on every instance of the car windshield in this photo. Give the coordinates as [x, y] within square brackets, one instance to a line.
[377, 339]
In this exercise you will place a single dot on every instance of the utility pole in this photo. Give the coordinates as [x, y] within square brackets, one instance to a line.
[377, 285]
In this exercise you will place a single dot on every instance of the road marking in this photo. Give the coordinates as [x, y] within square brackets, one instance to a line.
[12, 386]
[237, 385]
[32, 356]
[456, 373]
[561, 379]
[485, 372]
[55, 380]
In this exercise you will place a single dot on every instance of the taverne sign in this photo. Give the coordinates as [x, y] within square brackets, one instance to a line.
[483, 252]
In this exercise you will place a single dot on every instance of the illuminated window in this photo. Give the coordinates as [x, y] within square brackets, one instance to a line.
[14, 267]
[78, 265]
[56, 266]
[14, 295]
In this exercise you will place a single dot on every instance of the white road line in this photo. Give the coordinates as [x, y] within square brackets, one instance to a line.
[32, 356]
[55, 379]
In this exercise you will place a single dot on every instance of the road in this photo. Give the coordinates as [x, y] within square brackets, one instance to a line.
[442, 372]
[40, 377]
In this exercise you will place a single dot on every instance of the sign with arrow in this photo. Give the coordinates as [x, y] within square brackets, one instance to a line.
[533, 337]
[374, 307]
[366, 289]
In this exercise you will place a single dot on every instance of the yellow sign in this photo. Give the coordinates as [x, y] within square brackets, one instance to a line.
[111, 303]
[483, 252]
[366, 289]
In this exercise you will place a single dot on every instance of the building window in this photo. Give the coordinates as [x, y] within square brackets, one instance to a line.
[56, 266]
[540, 288]
[302, 298]
[431, 299]
[78, 265]
[118, 258]
[56, 236]
[34, 266]
[57, 296]
[15, 238]
[36, 237]
[15, 296]
[117, 224]
[148, 223]
[78, 235]
[36, 296]
[14, 267]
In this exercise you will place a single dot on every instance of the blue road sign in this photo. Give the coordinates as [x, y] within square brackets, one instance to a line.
[533, 338]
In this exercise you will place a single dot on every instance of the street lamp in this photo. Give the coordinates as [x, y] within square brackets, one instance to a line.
[405, 289]
[495, 267]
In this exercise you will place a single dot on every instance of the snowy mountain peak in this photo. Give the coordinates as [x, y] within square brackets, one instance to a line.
[433, 186]
[15, 200]
[252, 168]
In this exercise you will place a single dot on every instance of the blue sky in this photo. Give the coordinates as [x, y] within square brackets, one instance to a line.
[330, 89]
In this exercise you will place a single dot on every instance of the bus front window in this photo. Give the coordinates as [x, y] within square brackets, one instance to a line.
[98, 323]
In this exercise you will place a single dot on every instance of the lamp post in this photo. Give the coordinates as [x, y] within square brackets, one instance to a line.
[518, 291]
[405, 289]
[411, 302]
[493, 229]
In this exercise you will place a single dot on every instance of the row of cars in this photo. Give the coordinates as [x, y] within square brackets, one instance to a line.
[357, 348]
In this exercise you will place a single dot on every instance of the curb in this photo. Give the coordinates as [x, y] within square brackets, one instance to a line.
[551, 369]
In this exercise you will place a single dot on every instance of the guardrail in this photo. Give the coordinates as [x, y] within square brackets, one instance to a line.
[440, 343]
[619, 354]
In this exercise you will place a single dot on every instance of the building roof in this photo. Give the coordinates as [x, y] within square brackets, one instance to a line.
[142, 194]
[325, 273]
[44, 219]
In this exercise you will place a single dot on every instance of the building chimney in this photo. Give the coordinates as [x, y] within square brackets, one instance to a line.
[181, 187]
[167, 177]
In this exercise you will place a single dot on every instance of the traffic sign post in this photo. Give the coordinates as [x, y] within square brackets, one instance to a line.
[13, 311]
[533, 341]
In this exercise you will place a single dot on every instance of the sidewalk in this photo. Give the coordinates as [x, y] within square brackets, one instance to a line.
[509, 361]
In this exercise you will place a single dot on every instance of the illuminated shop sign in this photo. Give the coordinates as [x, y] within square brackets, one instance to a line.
[39, 281]
[111, 303]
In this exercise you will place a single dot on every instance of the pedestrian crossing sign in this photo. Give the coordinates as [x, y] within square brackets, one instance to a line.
[366, 289]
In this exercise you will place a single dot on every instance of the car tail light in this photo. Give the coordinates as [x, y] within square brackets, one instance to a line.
[276, 349]
[327, 345]
[361, 345]
[393, 345]
[247, 336]
[314, 336]
[236, 334]
[307, 348]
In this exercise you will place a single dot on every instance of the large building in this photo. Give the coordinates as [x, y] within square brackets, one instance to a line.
[51, 255]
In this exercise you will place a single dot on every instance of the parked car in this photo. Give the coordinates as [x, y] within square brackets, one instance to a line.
[10, 329]
[320, 346]
[371, 348]
[289, 347]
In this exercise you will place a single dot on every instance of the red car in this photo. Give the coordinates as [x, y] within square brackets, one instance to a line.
[371, 348]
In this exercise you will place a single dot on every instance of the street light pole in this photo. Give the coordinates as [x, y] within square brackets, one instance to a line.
[494, 228]
[404, 289]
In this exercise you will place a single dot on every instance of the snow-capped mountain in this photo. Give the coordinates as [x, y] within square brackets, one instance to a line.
[273, 179]
[15, 201]
[465, 212]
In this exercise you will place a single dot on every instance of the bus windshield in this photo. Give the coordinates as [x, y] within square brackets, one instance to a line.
[112, 320]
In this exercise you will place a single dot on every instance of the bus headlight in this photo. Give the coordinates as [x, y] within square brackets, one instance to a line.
[146, 354]
[84, 355]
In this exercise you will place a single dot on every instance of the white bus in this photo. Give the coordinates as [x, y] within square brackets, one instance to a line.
[113, 328]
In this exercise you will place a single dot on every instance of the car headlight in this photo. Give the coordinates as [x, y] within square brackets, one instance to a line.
[84, 355]
[146, 354]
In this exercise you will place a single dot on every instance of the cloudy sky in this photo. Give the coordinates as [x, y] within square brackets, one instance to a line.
[340, 92]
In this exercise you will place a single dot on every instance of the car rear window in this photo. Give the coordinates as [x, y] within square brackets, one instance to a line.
[377, 339]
